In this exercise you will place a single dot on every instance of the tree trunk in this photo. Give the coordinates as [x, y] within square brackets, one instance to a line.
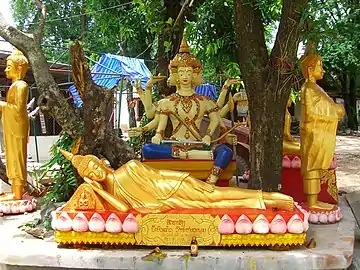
[353, 98]
[348, 91]
[268, 81]
[172, 34]
[99, 138]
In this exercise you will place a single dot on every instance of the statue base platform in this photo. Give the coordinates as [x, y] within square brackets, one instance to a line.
[238, 227]
[199, 169]
[323, 217]
[334, 250]
[13, 207]
[292, 181]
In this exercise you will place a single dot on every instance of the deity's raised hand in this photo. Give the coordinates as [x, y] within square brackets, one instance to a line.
[229, 82]
[154, 79]
[135, 132]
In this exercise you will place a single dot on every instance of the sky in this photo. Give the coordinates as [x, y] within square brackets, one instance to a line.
[6, 11]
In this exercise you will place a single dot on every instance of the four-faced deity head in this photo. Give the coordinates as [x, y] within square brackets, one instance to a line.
[185, 69]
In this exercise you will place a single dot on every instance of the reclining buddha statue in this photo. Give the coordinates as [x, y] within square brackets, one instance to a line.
[186, 110]
[136, 186]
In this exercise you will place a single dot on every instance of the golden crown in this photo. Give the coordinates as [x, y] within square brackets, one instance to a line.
[185, 59]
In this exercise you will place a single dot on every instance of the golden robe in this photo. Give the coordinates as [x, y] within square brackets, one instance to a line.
[149, 190]
[15, 123]
[318, 125]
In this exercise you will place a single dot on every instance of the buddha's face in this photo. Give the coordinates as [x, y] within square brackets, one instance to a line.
[96, 171]
[12, 71]
[186, 75]
[317, 71]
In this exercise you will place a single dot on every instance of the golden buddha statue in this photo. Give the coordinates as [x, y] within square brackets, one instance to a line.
[15, 123]
[147, 190]
[318, 125]
[290, 144]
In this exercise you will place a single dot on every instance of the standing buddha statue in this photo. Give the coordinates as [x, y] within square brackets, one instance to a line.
[318, 125]
[15, 123]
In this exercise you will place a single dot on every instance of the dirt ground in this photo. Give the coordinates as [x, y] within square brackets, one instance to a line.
[348, 160]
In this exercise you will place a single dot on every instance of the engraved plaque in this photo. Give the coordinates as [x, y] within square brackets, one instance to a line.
[177, 229]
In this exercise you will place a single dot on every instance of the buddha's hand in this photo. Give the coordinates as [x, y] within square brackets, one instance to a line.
[206, 140]
[154, 79]
[231, 139]
[135, 132]
[156, 139]
[340, 110]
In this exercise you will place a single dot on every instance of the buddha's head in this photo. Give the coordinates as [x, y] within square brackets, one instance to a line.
[311, 65]
[185, 69]
[88, 166]
[16, 65]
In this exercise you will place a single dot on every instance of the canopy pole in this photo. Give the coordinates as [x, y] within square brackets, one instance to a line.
[119, 105]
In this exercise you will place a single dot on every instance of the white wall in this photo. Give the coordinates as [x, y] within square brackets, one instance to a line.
[44, 144]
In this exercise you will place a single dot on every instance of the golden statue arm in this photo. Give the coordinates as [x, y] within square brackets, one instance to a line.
[20, 99]
[114, 202]
[316, 102]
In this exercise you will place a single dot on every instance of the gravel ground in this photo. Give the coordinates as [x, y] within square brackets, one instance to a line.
[348, 157]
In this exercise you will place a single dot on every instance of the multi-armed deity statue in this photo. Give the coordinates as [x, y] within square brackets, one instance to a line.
[186, 111]
[141, 205]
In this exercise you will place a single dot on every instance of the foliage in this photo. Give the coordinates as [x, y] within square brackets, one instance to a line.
[65, 181]
[336, 27]
[212, 39]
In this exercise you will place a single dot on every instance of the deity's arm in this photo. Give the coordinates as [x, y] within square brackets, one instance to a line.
[162, 112]
[212, 111]
[146, 99]
[224, 110]
[152, 125]
[222, 96]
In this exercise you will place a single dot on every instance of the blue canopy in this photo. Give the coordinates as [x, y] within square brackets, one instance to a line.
[207, 89]
[116, 67]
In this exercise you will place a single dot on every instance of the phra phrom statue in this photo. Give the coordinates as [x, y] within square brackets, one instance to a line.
[139, 204]
[15, 122]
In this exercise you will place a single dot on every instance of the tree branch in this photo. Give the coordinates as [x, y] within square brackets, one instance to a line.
[287, 37]
[40, 29]
[13, 35]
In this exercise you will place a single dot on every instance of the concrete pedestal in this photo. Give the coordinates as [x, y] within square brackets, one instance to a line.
[334, 250]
